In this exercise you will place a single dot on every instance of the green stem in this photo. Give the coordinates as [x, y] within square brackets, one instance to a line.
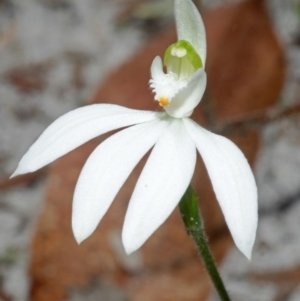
[194, 226]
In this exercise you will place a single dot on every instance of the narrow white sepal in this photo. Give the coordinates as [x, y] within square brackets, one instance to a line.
[185, 101]
[106, 170]
[161, 185]
[74, 129]
[190, 26]
[232, 181]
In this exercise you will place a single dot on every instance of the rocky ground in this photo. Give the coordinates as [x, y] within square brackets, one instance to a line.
[53, 53]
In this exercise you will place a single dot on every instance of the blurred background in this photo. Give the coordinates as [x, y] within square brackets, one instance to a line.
[57, 55]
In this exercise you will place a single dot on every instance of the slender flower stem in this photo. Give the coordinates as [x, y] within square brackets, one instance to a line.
[194, 226]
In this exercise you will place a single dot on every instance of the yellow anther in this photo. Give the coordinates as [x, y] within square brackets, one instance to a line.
[163, 101]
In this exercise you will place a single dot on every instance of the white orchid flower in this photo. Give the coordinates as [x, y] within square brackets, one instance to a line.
[174, 138]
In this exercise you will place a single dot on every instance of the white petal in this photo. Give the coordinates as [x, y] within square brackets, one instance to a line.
[105, 172]
[74, 129]
[185, 101]
[157, 68]
[232, 181]
[190, 26]
[161, 185]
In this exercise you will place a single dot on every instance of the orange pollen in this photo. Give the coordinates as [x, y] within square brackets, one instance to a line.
[163, 101]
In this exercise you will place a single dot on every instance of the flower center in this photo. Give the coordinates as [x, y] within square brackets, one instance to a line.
[182, 60]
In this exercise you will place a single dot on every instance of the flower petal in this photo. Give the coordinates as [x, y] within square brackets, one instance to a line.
[188, 98]
[161, 185]
[105, 172]
[75, 128]
[232, 181]
[157, 68]
[190, 26]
